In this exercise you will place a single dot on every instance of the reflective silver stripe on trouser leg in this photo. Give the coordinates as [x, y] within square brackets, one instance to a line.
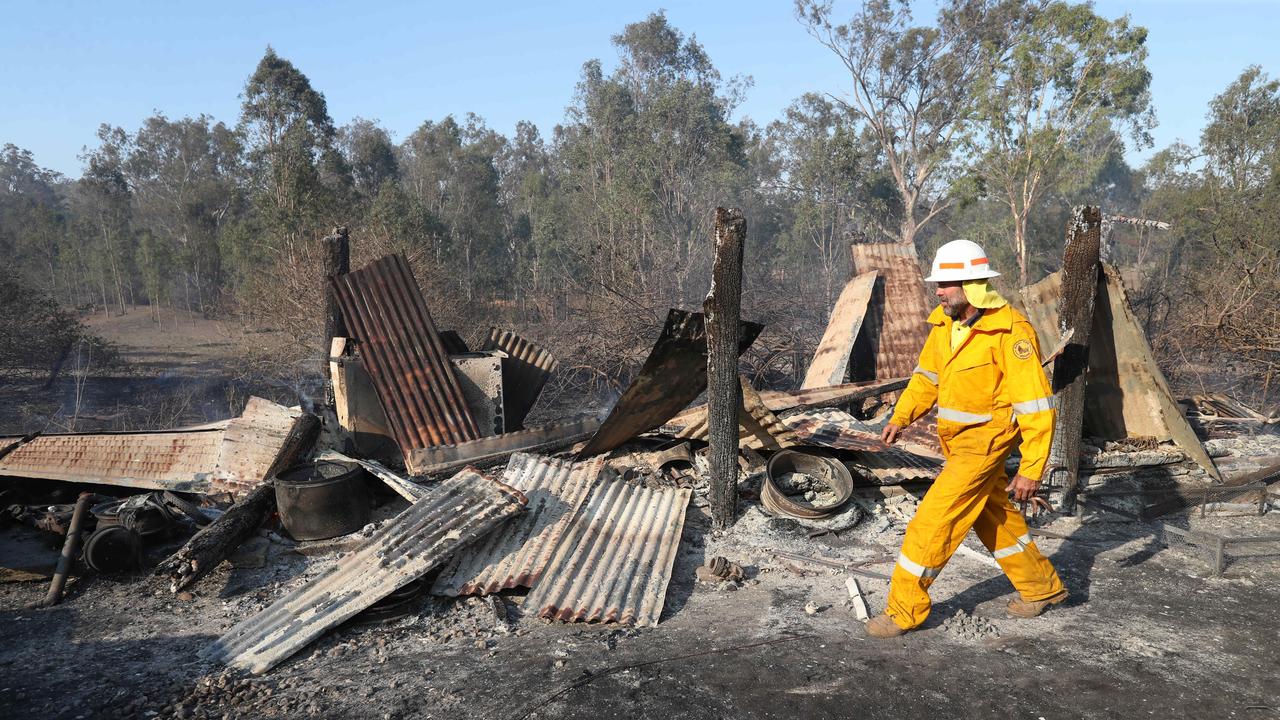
[1021, 543]
[930, 376]
[961, 416]
[1030, 407]
[916, 568]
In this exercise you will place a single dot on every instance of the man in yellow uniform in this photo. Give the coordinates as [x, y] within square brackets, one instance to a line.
[981, 367]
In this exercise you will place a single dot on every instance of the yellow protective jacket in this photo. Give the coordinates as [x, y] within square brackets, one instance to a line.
[990, 388]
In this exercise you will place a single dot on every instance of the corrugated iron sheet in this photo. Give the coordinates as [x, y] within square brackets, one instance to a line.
[456, 513]
[758, 427]
[445, 458]
[614, 563]
[516, 554]
[525, 373]
[228, 456]
[830, 364]
[895, 327]
[840, 430]
[777, 400]
[673, 376]
[182, 461]
[384, 309]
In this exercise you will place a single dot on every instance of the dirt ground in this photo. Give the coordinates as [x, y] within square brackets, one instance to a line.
[1147, 632]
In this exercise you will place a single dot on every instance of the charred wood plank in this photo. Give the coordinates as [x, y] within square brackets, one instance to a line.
[337, 261]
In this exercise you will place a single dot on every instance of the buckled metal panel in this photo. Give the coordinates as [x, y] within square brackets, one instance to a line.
[516, 554]
[615, 560]
[456, 513]
[896, 326]
[529, 367]
[385, 311]
[840, 430]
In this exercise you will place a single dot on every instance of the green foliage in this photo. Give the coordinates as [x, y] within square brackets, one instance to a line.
[39, 335]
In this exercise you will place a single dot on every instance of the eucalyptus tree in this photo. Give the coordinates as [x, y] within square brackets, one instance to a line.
[1054, 108]
[915, 87]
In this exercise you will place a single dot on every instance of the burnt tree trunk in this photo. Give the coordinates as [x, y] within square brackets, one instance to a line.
[1080, 268]
[216, 541]
[337, 261]
[724, 394]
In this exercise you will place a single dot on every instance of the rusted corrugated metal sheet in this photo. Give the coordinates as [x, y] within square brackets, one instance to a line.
[830, 364]
[840, 430]
[673, 376]
[182, 461]
[459, 511]
[525, 373]
[384, 309]
[777, 400]
[516, 554]
[445, 458]
[251, 443]
[614, 563]
[895, 327]
[758, 427]
[228, 456]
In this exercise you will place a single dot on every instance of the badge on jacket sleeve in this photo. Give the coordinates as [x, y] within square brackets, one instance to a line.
[1022, 349]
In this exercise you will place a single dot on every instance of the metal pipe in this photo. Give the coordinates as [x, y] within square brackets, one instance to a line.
[69, 549]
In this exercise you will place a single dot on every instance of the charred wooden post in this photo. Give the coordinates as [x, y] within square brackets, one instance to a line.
[337, 261]
[217, 540]
[724, 395]
[1080, 268]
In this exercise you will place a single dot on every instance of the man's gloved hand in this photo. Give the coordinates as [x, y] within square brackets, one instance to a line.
[890, 433]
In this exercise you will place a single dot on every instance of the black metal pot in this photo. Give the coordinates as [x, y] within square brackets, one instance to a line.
[322, 500]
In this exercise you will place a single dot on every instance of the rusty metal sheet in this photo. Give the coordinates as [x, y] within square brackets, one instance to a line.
[525, 373]
[516, 554]
[1126, 394]
[228, 456]
[886, 464]
[458, 512]
[251, 443]
[896, 327]
[830, 364]
[758, 427]
[446, 458]
[182, 461]
[615, 560]
[384, 310]
[673, 376]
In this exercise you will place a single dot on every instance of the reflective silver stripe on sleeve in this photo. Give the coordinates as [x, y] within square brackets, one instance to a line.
[1019, 545]
[930, 376]
[916, 568]
[1030, 407]
[961, 416]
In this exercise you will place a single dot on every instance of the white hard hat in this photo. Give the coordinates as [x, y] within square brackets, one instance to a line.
[960, 260]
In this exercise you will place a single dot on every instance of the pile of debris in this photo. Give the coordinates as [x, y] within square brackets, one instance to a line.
[418, 477]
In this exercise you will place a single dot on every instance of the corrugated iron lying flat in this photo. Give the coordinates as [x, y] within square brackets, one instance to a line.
[614, 562]
[673, 376]
[525, 372]
[758, 427]
[516, 554]
[231, 456]
[830, 364]
[840, 430]
[456, 513]
[446, 458]
[384, 310]
[895, 327]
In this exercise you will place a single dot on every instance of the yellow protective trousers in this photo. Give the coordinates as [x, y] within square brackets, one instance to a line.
[969, 493]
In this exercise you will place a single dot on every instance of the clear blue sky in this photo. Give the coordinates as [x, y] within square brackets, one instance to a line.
[69, 66]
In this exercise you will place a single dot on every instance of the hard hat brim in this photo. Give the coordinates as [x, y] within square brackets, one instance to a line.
[961, 275]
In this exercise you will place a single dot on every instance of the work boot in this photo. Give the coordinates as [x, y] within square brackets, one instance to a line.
[1020, 608]
[883, 626]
